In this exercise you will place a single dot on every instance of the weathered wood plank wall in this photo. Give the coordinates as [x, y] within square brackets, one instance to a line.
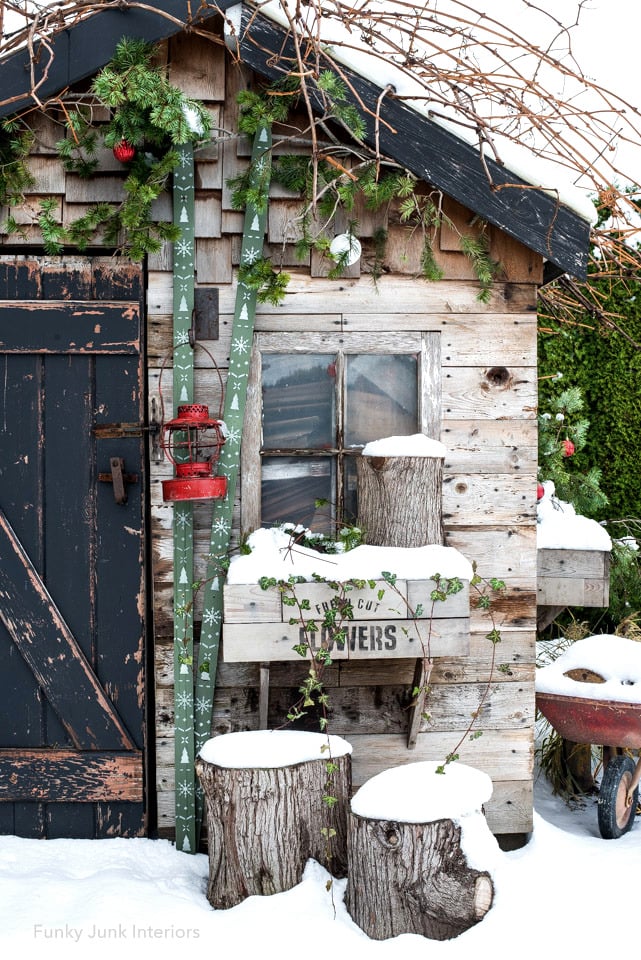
[488, 398]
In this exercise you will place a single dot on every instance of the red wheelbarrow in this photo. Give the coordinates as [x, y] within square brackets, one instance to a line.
[611, 724]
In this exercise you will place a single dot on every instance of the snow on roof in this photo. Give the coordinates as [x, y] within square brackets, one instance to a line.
[342, 44]
[616, 659]
[276, 553]
[267, 749]
[559, 526]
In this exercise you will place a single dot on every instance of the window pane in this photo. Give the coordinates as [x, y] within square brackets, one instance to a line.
[381, 397]
[299, 401]
[291, 485]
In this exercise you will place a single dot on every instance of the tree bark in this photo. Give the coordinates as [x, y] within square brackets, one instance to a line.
[264, 824]
[400, 500]
[412, 878]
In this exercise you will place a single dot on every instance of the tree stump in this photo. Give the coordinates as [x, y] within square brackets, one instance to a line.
[412, 876]
[265, 812]
[400, 500]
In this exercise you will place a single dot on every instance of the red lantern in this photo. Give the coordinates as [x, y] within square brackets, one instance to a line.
[124, 151]
[192, 442]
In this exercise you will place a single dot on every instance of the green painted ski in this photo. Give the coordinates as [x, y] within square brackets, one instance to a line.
[234, 411]
[183, 386]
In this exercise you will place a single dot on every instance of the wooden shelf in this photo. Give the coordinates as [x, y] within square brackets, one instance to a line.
[571, 578]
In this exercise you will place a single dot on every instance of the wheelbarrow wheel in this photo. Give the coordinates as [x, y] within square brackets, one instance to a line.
[616, 815]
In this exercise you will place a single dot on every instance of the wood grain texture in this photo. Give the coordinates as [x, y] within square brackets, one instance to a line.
[413, 878]
[60, 776]
[73, 629]
[276, 826]
[47, 326]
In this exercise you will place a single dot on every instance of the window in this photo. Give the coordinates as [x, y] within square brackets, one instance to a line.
[314, 401]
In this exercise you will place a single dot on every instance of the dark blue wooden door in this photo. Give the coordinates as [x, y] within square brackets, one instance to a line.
[72, 598]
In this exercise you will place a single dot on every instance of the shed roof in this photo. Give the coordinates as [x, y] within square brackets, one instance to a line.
[432, 152]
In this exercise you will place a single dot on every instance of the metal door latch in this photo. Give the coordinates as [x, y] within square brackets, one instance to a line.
[118, 478]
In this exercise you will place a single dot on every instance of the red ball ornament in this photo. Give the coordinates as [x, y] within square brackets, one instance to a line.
[568, 448]
[540, 491]
[124, 151]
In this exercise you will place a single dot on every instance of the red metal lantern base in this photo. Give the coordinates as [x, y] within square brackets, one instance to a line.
[194, 488]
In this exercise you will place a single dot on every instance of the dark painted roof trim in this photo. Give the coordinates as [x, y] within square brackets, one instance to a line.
[450, 164]
[83, 49]
[431, 152]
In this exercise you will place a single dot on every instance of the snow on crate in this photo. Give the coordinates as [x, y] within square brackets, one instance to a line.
[616, 659]
[275, 553]
[267, 749]
[560, 527]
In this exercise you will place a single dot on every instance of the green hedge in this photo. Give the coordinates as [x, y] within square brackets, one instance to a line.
[607, 369]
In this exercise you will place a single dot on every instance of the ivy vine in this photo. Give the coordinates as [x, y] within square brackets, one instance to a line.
[324, 631]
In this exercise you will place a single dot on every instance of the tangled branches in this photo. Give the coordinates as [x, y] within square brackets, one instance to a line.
[525, 103]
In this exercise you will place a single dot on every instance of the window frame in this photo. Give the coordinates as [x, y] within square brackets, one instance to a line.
[425, 345]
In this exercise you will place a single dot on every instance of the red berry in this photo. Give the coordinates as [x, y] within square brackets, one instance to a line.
[540, 491]
[124, 151]
[568, 448]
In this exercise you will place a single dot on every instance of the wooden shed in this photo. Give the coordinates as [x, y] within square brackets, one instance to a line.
[87, 562]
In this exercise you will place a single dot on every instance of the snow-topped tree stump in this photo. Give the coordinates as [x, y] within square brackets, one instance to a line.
[420, 852]
[400, 491]
[266, 813]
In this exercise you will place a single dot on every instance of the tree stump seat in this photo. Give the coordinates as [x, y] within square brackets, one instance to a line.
[420, 852]
[265, 812]
[400, 497]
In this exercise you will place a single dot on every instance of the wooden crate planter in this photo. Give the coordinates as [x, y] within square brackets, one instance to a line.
[256, 625]
[257, 628]
[573, 578]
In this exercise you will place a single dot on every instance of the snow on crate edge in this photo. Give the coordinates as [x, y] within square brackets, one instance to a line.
[560, 527]
[274, 553]
[616, 659]
[267, 749]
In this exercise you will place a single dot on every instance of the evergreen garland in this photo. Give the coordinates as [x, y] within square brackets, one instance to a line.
[148, 113]
[333, 181]
[154, 117]
[15, 143]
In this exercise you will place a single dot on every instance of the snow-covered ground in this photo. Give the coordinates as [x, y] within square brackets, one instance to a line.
[567, 890]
